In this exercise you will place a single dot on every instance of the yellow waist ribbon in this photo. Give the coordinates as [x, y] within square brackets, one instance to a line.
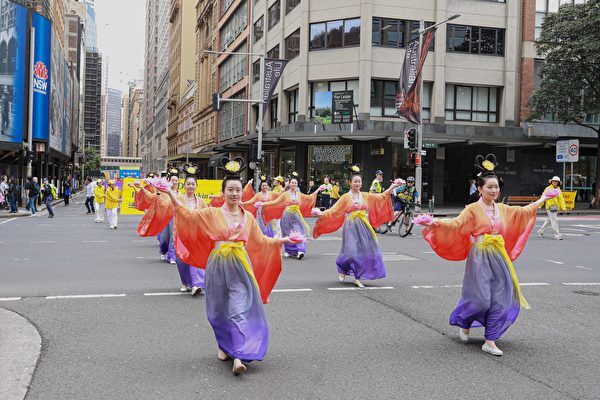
[362, 215]
[237, 250]
[497, 241]
[294, 208]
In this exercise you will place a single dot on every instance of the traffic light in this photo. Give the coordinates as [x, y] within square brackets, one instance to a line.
[412, 139]
[216, 102]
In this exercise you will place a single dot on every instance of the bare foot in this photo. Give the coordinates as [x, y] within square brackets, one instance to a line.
[238, 367]
[221, 355]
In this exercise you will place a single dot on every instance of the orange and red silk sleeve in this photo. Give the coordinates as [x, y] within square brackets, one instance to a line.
[217, 200]
[273, 209]
[451, 239]
[332, 219]
[157, 217]
[249, 205]
[143, 199]
[518, 223]
[380, 208]
[193, 242]
[248, 192]
[307, 203]
[265, 255]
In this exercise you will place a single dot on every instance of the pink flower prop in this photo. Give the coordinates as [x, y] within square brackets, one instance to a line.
[423, 219]
[159, 183]
[552, 193]
[322, 187]
[258, 204]
[399, 181]
[297, 237]
[316, 211]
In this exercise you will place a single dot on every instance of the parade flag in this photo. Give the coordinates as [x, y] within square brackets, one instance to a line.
[271, 75]
[408, 97]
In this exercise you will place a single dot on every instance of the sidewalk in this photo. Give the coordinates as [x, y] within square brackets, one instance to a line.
[22, 212]
[453, 211]
[20, 346]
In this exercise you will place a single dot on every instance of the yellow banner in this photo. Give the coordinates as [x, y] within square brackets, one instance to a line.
[570, 199]
[204, 188]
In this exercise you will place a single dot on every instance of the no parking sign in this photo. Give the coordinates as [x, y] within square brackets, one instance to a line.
[567, 150]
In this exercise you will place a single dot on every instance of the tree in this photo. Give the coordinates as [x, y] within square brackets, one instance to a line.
[570, 76]
[92, 159]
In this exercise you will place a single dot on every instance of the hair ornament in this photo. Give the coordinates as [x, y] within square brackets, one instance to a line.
[232, 166]
[354, 168]
[487, 165]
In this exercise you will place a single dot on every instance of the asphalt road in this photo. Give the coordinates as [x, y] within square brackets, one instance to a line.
[389, 342]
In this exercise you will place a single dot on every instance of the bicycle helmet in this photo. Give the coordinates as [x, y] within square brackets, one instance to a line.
[410, 179]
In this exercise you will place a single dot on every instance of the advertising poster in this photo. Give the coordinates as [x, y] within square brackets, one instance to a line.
[323, 102]
[13, 23]
[343, 107]
[57, 96]
[41, 76]
[68, 97]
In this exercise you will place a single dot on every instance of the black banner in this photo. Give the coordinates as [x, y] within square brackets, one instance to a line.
[408, 97]
[343, 107]
[272, 73]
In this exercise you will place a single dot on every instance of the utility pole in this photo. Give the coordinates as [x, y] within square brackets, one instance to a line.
[30, 119]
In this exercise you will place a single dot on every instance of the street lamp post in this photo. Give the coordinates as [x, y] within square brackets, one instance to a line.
[418, 159]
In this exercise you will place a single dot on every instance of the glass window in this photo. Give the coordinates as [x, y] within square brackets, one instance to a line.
[274, 14]
[336, 86]
[488, 41]
[287, 157]
[290, 5]
[292, 106]
[316, 87]
[259, 28]
[225, 5]
[317, 36]
[273, 53]
[352, 32]
[477, 104]
[256, 71]
[273, 113]
[234, 26]
[232, 117]
[376, 32]
[334, 34]
[458, 38]
[476, 40]
[292, 45]
[541, 5]
[328, 160]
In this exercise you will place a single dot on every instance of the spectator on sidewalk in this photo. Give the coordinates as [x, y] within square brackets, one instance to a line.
[112, 204]
[99, 200]
[89, 195]
[33, 191]
[48, 194]
[593, 197]
[553, 206]
[67, 190]
[4, 192]
[12, 194]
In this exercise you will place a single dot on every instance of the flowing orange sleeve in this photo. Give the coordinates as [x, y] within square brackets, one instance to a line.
[193, 242]
[144, 199]
[274, 208]
[248, 192]
[518, 222]
[265, 255]
[217, 200]
[307, 203]
[249, 205]
[451, 239]
[157, 217]
[380, 208]
[332, 219]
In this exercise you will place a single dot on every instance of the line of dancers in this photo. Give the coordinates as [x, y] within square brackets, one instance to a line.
[231, 249]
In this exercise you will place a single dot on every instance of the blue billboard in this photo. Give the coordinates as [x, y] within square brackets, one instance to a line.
[13, 43]
[41, 76]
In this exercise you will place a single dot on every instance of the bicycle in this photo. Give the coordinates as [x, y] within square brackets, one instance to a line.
[405, 217]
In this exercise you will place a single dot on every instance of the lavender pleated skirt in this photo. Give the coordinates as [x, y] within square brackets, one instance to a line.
[488, 298]
[190, 276]
[360, 255]
[267, 229]
[293, 221]
[165, 242]
[234, 308]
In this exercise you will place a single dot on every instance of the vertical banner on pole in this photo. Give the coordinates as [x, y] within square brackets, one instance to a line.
[271, 74]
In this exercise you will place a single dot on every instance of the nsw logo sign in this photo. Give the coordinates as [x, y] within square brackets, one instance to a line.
[40, 78]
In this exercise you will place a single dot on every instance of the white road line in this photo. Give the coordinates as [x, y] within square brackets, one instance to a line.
[365, 288]
[10, 298]
[534, 284]
[85, 296]
[423, 287]
[452, 286]
[576, 230]
[429, 252]
[582, 267]
[8, 220]
[147, 258]
[555, 262]
[290, 290]
[94, 241]
[43, 241]
[581, 283]
[165, 294]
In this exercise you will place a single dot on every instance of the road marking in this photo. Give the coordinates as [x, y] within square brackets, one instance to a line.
[576, 230]
[43, 241]
[429, 252]
[581, 283]
[21, 259]
[165, 294]
[534, 284]
[290, 290]
[582, 267]
[85, 296]
[423, 287]
[555, 262]
[8, 220]
[94, 241]
[10, 298]
[147, 258]
[357, 288]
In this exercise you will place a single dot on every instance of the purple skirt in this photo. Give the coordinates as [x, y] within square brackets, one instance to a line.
[190, 276]
[267, 229]
[488, 297]
[165, 242]
[360, 255]
[293, 221]
[234, 308]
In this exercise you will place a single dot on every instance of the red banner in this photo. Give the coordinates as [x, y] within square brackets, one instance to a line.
[408, 97]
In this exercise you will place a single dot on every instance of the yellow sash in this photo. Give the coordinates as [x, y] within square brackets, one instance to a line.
[294, 208]
[237, 250]
[362, 215]
[497, 241]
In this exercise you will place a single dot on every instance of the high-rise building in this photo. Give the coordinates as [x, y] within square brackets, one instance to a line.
[130, 121]
[125, 124]
[90, 31]
[93, 101]
[113, 122]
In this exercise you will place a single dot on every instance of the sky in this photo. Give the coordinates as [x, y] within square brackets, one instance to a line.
[121, 31]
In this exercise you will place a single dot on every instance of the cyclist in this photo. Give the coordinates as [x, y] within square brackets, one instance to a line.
[404, 195]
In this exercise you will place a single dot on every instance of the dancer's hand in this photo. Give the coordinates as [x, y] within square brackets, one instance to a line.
[286, 240]
[258, 204]
[250, 181]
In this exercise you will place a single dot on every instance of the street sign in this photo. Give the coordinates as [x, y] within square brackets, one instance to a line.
[567, 150]
[343, 107]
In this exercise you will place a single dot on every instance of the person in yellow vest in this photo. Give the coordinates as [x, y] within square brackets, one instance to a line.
[335, 192]
[99, 200]
[112, 204]
[553, 206]
[326, 193]
[278, 184]
[376, 186]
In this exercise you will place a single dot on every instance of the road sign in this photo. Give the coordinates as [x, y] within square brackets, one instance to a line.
[567, 150]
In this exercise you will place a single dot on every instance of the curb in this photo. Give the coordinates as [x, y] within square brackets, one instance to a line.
[42, 208]
[20, 346]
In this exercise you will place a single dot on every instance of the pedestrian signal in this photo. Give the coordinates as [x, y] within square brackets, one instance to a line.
[412, 138]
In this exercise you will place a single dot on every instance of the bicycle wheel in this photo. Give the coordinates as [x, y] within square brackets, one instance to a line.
[406, 225]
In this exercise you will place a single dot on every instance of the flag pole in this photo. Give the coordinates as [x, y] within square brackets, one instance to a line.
[418, 161]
